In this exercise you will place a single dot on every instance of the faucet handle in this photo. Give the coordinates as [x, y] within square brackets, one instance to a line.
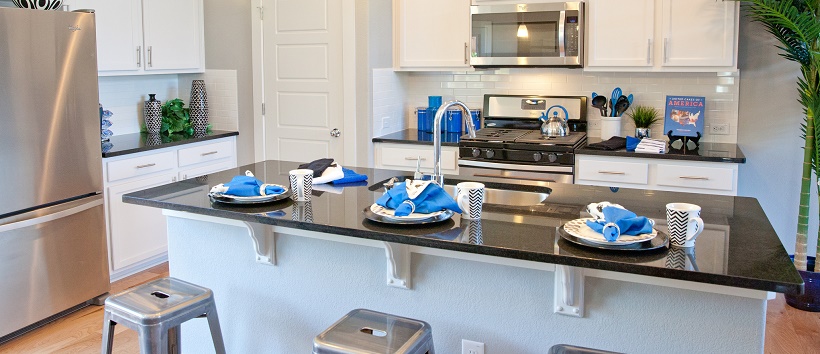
[418, 174]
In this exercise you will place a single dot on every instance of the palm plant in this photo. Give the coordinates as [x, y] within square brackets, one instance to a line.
[644, 116]
[796, 25]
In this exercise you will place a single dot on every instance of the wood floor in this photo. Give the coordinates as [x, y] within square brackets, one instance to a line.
[788, 330]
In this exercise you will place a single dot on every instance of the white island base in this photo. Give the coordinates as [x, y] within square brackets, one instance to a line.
[314, 279]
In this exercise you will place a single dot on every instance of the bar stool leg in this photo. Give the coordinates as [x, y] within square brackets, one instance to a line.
[152, 339]
[216, 332]
[108, 333]
[175, 340]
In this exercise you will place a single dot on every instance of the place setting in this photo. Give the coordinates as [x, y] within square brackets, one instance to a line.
[613, 227]
[247, 190]
[418, 202]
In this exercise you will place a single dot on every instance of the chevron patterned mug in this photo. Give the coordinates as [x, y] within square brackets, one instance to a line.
[301, 184]
[684, 224]
[470, 197]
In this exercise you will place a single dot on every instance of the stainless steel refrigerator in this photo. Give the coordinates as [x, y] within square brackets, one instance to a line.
[53, 255]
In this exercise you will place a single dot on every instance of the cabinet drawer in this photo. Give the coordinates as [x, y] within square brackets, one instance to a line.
[404, 157]
[696, 177]
[140, 166]
[205, 153]
[608, 171]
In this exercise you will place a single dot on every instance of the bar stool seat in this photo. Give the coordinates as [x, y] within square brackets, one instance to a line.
[156, 310]
[571, 349]
[366, 331]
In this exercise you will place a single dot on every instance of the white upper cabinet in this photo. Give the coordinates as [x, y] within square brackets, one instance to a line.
[138, 37]
[431, 34]
[662, 35]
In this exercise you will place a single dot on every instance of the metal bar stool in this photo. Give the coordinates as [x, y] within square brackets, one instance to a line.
[571, 349]
[156, 310]
[365, 331]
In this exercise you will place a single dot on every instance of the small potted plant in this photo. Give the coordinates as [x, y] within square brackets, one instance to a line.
[644, 117]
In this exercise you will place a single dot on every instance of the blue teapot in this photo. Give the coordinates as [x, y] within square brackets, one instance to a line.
[554, 125]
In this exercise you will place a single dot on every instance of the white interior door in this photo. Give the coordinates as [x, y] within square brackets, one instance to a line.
[303, 79]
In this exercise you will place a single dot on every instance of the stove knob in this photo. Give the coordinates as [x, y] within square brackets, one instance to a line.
[490, 153]
[552, 157]
[476, 152]
[536, 156]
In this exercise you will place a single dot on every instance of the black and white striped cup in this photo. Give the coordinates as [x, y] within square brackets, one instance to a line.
[301, 184]
[470, 197]
[684, 224]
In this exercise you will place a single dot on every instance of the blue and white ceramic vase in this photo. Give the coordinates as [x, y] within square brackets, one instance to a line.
[152, 114]
[38, 4]
[199, 107]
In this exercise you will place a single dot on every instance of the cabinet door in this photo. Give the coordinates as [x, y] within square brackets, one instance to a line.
[119, 33]
[136, 233]
[173, 34]
[698, 32]
[194, 172]
[620, 33]
[431, 33]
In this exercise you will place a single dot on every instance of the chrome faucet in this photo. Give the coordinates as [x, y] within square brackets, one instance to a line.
[438, 177]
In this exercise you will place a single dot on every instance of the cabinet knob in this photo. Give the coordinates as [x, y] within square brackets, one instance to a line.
[335, 133]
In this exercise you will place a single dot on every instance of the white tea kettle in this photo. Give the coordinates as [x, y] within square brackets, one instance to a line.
[554, 125]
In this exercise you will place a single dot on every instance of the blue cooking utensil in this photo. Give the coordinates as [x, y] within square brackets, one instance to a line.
[594, 94]
[629, 98]
[616, 93]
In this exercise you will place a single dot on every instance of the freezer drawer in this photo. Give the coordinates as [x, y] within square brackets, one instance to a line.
[51, 259]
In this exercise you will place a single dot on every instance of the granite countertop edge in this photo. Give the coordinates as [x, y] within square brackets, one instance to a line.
[217, 134]
[410, 137]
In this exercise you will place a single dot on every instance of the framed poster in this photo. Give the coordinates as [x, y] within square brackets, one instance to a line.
[684, 115]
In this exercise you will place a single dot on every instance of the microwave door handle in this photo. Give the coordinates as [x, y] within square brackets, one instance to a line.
[562, 17]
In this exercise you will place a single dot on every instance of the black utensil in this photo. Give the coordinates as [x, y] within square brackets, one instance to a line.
[621, 105]
[600, 103]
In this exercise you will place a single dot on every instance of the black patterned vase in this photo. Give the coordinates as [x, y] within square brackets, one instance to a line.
[199, 107]
[38, 4]
[153, 114]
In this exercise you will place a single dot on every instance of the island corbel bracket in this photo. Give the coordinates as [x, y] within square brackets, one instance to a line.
[398, 265]
[569, 291]
[264, 242]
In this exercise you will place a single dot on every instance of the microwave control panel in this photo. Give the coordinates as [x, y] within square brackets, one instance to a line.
[571, 36]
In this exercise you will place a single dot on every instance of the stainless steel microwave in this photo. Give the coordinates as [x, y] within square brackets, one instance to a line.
[535, 34]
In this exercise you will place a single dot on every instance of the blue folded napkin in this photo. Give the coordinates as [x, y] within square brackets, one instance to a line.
[632, 143]
[618, 221]
[432, 199]
[247, 186]
[350, 177]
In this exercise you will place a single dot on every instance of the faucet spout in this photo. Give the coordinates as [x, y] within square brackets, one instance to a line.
[438, 177]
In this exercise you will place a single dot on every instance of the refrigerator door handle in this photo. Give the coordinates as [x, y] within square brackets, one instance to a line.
[50, 217]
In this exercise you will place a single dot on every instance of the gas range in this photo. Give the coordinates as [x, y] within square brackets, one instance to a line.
[511, 146]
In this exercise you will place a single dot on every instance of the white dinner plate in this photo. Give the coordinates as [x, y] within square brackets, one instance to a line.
[233, 199]
[389, 213]
[579, 229]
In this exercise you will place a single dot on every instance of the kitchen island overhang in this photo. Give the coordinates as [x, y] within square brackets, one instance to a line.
[739, 262]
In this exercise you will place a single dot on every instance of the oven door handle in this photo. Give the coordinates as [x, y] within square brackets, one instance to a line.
[508, 166]
[514, 178]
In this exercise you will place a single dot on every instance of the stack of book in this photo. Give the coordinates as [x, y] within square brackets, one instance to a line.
[651, 146]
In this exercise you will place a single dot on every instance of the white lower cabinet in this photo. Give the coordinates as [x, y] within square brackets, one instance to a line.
[404, 157]
[658, 174]
[137, 236]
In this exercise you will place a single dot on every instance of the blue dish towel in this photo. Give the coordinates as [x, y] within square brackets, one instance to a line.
[249, 186]
[632, 143]
[350, 177]
[432, 199]
[619, 222]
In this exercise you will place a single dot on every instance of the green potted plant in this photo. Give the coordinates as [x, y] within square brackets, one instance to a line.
[796, 25]
[643, 117]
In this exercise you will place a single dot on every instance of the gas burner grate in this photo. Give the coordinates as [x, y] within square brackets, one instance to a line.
[535, 137]
[498, 134]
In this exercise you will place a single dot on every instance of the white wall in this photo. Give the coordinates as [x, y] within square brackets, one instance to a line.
[124, 96]
[769, 132]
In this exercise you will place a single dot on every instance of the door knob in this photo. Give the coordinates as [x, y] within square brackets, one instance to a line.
[335, 133]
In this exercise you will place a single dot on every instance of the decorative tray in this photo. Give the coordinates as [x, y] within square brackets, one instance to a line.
[380, 214]
[236, 200]
[659, 241]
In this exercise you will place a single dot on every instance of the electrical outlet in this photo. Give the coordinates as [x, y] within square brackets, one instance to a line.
[595, 124]
[720, 129]
[470, 347]
[385, 122]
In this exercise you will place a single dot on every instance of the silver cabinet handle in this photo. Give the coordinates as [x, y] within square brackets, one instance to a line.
[408, 158]
[147, 165]
[699, 178]
[612, 172]
[335, 132]
[139, 56]
[209, 153]
[665, 50]
[150, 56]
[649, 51]
[466, 55]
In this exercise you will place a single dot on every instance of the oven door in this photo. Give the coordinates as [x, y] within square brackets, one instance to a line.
[527, 35]
[516, 173]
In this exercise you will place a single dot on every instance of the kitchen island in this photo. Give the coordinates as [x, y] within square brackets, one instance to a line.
[283, 272]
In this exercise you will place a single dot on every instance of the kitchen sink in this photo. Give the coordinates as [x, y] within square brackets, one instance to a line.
[510, 195]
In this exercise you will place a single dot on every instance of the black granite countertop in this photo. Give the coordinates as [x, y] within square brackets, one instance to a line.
[707, 152]
[138, 142]
[415, 137]
[739, 247]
